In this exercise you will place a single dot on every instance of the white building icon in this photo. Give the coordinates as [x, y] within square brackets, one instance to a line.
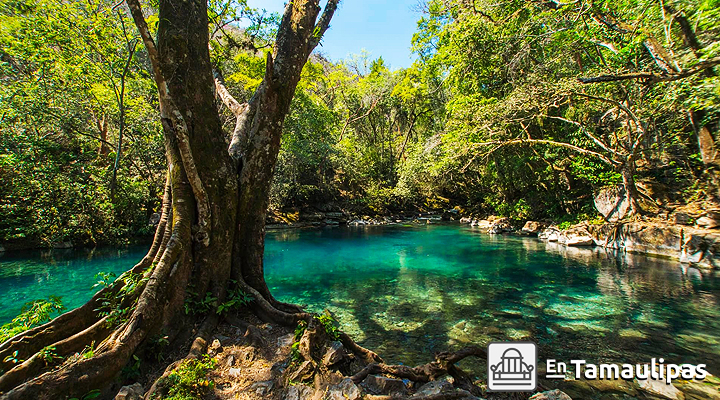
[512, 366]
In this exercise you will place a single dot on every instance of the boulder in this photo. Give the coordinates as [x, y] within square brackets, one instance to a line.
[501, 225]
[434, 388]
[612, 204]
[262, 388]
[63, 245]
[533, 227]
[131, 392]
[299, 392]
[700, 248]
[550, 234]
[659, 388]
[381, 385]
[577, 236]
[682, 218]
[304, 372]
[465, 220]
[711, 220]
[345, 390]
[551, 395]
[334, 354]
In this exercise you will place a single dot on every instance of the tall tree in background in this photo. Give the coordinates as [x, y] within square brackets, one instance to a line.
[213, 217]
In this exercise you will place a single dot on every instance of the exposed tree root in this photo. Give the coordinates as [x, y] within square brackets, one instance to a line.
[198, 347]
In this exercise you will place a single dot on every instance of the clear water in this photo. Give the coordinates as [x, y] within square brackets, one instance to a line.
[408, 291]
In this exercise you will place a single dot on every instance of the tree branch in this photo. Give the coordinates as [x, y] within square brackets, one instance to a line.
[323, 23]
[500, 143]
[651, 78]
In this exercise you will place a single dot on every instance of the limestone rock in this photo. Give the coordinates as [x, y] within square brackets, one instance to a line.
[612, 204]
[711, 220]
[501, 225]
[234, 372]
[381, 385]
[551, 234]
[334, 354]
[701, 249]
[578, 236]
[433, 388]
[131, 392]
[304, 372]
[345, 390]
[660, 389]
[551, 395]
[481, 223]
[299, 392]
[262, 388]
[63, 245]
[533, 227]
[465, 220]
[682, 218]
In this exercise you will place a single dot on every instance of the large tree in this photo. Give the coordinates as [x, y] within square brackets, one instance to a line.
[211, 234]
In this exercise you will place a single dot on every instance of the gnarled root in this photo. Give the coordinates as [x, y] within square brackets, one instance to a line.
[197, 348]
[444, 364]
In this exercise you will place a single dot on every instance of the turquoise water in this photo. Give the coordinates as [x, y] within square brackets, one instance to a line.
[408, 291]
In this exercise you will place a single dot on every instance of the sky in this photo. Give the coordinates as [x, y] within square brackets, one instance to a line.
[382, 27]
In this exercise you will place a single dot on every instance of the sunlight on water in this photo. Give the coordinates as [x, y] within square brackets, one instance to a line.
[410, 291]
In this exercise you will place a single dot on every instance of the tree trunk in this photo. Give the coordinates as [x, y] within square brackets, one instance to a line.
[213, 218]
[627, 170]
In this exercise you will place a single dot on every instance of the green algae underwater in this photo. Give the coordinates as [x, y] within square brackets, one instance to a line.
[407, 291]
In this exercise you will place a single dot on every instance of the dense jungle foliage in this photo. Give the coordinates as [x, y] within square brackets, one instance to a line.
[517, 108]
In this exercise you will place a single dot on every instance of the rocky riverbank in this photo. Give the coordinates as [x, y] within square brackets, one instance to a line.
[307, 219]
[693, 245]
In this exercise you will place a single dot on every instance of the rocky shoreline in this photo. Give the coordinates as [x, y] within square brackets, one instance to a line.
[695, 246]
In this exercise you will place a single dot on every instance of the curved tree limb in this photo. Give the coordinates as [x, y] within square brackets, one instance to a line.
[652, 78]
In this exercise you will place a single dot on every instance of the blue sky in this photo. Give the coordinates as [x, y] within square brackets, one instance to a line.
[383, 28]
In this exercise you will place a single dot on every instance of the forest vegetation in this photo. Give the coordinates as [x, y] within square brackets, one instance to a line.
[203, 117]
[521, 110]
